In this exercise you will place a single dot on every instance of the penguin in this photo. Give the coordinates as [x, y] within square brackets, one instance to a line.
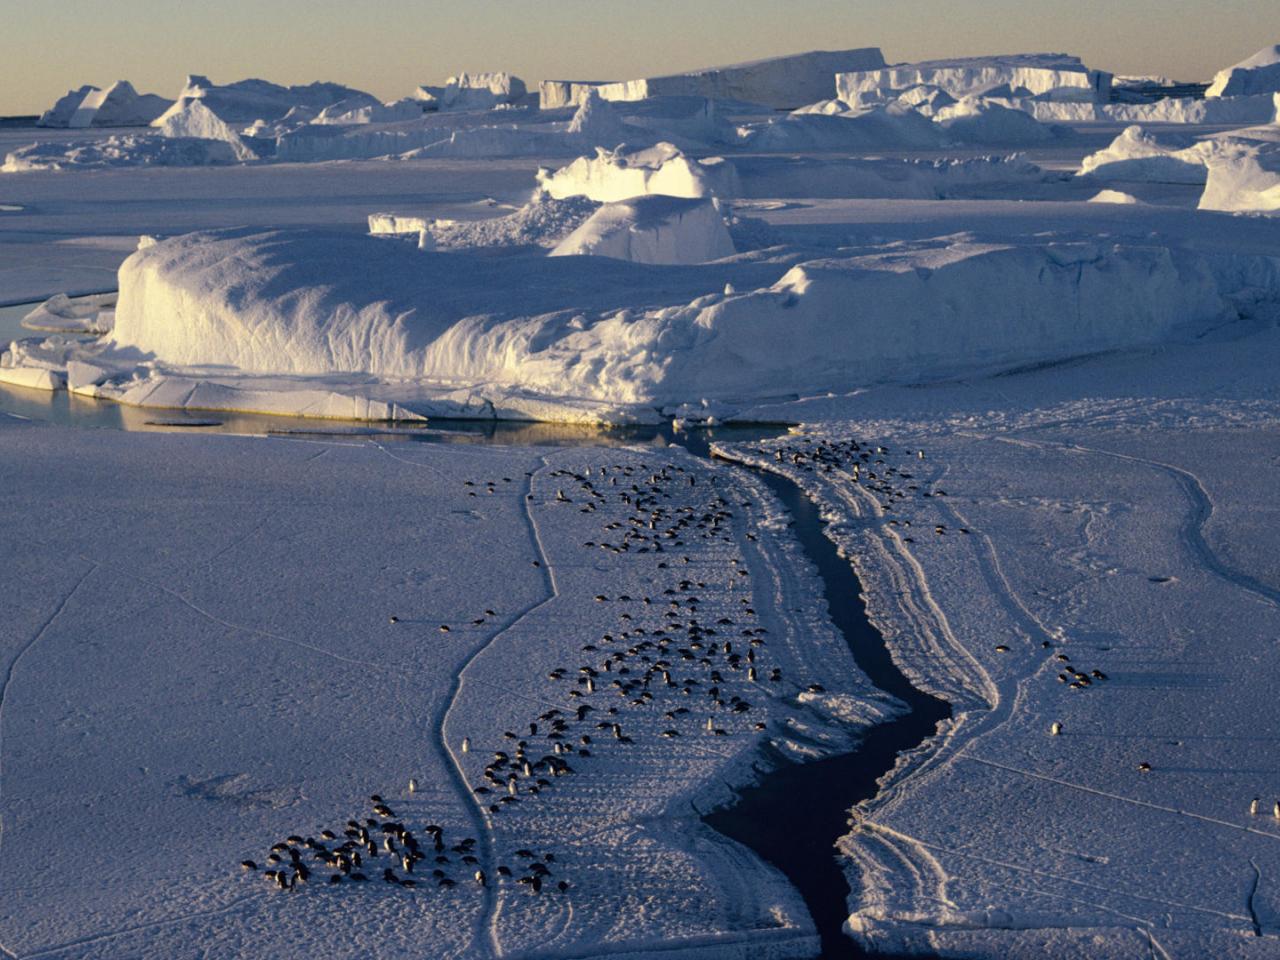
[413, 785]
[480, 877]
[1276, 810]
[1253, 807]
[1055, 728]
[250, 865]
[466, 744]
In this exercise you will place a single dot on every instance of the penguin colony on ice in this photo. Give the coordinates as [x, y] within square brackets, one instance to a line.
[663, 655]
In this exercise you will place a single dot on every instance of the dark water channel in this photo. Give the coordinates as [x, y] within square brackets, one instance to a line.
[793, 817]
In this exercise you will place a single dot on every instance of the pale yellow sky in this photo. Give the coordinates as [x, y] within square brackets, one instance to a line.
[389, 46]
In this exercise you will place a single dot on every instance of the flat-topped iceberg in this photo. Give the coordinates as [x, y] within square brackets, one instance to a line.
[591, 338]
[778, 82]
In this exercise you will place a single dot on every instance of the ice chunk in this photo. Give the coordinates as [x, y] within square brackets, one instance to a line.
[61, 314]
[619, 175]
[1050, 76]
[652, 229]
[1139, 155]
[1243, 176]
[119, 105]
[1113, 196]
[1258, 74]
[191, 117]
[243, 102]
[473, 91]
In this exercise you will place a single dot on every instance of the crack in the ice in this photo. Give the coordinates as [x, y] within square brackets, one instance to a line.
[1253, 893]
[1114, 796]
[492, 907]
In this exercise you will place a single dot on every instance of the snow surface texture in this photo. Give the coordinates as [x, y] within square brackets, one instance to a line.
[151, 665]
[119, 105]
[779, 82]
[1259, 73]
[1101, 525]
[652, 229]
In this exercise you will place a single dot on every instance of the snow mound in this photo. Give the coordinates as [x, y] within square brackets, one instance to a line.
[1113, 196]
[245, 101]
[621, 174]
[1259, 74]
[119, 105]
[191, 118]
[60, 314]
[1047, 76]
[652, 229]
[1137, 154]
[121, 151]
[873, 129]
[778, 82]
[1243, 176]
[978, 121]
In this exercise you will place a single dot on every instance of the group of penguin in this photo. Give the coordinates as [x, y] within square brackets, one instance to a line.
[355, 854]
[662, 655]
